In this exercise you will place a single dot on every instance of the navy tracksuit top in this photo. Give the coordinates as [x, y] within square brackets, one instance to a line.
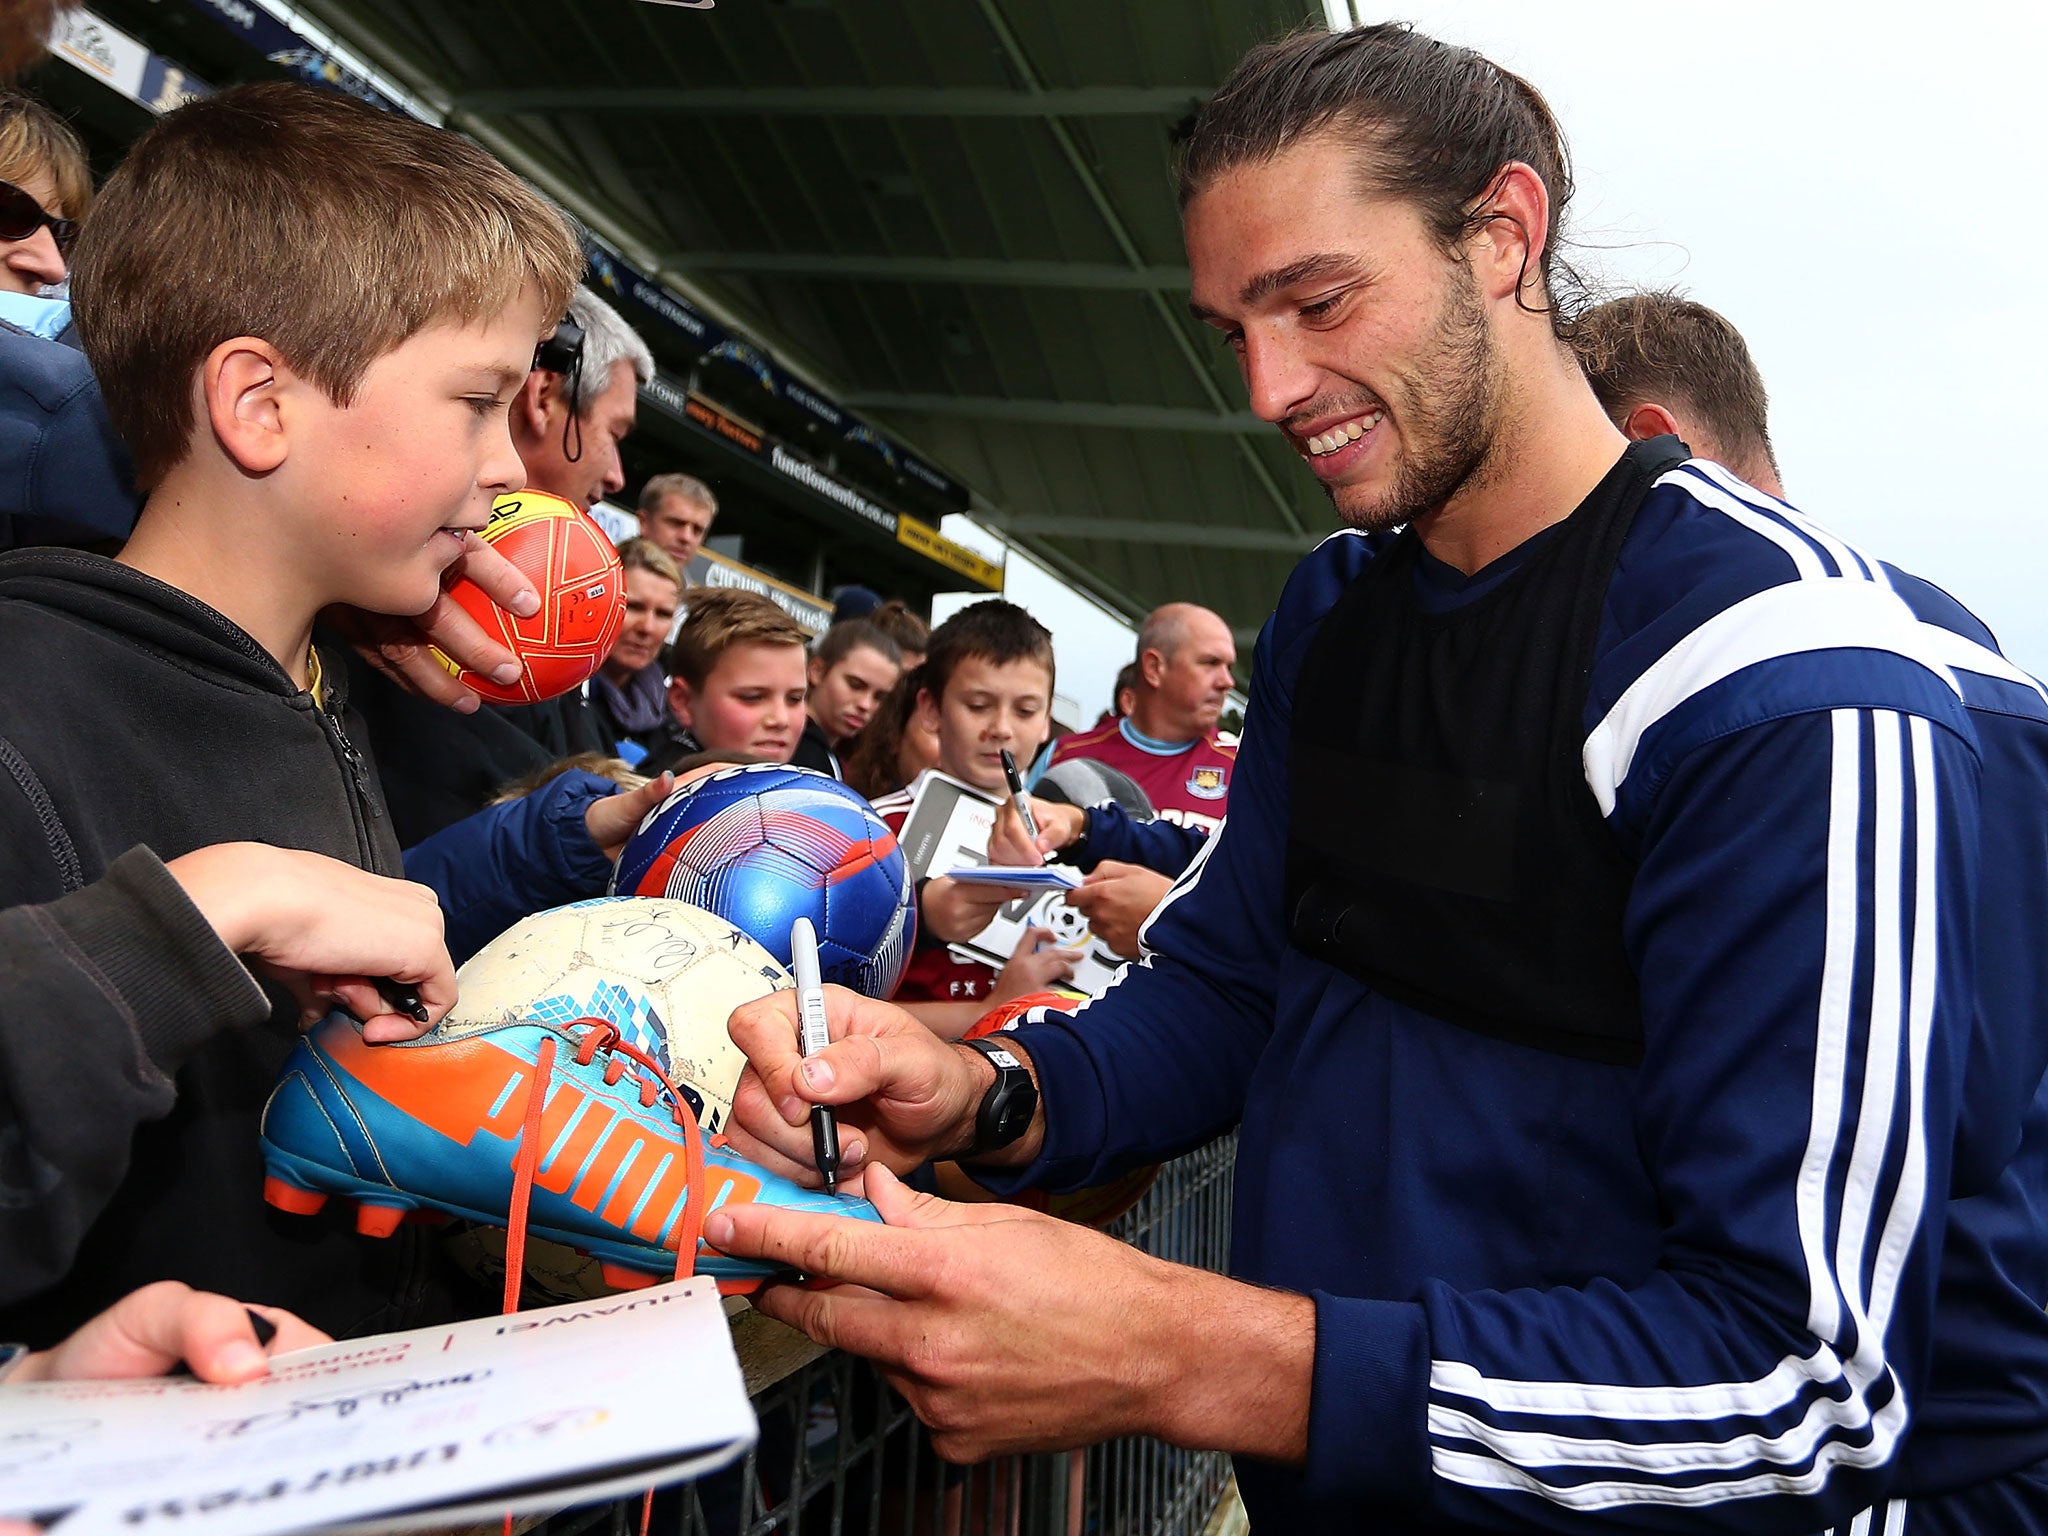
[1787, 1271]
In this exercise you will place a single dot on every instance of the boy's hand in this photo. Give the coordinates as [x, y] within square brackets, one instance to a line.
[613, 819]
[1037, 964]
[1058, 826]
[151, 1331]
[955, 911]
[1116, 899]
[326, 929]
[397, 646]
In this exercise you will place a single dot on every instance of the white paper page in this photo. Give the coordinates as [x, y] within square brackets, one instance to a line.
[950, 823]
[1095, 964]
[629, 1389]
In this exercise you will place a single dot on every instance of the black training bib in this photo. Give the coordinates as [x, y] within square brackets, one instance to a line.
[1443, 847]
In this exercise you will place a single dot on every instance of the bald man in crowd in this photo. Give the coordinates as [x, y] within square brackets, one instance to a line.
[1168, 741]
[1661, 363]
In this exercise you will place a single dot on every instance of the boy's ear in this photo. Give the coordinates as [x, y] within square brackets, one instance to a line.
[927, 710]
[814, 669]
[243, 385]
[679, 701]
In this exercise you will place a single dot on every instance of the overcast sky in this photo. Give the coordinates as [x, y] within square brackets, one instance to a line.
[1857, 187]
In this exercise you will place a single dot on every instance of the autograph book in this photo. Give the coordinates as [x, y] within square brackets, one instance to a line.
[400, 1431]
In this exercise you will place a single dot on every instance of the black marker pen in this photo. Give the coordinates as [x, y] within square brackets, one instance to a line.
[402, 998]
[813, 1035]
[1018, 797]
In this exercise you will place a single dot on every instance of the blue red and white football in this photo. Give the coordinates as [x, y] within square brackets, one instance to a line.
[764, 844]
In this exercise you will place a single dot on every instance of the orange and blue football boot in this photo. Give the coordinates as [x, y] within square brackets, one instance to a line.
[566, 1131]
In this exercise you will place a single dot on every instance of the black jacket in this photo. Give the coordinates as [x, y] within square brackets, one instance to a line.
[445, 766]
[438, 767]
[131, 713]
[814, 751]
[139, 982]
[675, 742]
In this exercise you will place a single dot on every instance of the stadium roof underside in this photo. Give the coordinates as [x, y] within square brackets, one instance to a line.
[954, 216]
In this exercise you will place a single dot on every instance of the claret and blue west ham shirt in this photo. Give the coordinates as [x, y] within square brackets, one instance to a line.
[1786, 1274]
[1186, 781]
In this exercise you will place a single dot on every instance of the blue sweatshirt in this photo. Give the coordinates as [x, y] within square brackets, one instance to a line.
[1790, 1267]
[65, 478]
[513, 859]
[1110, 833]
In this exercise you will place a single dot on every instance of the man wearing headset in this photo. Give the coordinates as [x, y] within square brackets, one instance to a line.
[579, 403]
[568, 420]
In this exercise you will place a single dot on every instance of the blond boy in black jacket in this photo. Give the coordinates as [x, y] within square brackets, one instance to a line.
[308, 320]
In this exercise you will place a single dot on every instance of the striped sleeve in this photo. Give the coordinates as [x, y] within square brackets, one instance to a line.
[1801, 926]
[1158, 1064]
[1165, 846]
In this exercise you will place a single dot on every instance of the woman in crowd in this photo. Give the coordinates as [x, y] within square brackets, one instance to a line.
[629, 693]
[893, 748]
[64, 475]
[45, 189]
[912, 635]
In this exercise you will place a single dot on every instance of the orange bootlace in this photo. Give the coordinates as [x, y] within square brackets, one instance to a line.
[654, 1081]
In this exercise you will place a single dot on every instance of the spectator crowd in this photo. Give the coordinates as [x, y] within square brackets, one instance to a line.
[164, 550]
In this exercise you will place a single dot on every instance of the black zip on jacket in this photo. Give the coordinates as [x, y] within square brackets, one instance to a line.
[131, 713]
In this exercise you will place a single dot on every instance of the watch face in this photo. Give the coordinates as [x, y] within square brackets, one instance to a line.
[1010, 1103]
[1016, 1117]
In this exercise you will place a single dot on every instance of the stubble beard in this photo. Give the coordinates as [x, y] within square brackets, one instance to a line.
[1450, 420]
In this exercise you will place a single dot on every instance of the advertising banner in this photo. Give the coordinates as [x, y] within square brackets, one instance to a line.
[281, 45]
[102, 50]
[614, 273]
[807, 608]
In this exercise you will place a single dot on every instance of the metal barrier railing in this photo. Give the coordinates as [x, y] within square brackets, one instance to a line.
[841, 1453]
[1143, 1487]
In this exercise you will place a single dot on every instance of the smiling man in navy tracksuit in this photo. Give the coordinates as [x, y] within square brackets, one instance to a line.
[1623, 955]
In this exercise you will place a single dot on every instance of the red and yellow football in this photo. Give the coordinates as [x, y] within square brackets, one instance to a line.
[574, 568]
